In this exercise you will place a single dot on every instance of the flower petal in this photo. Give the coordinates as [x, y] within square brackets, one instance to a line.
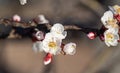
[107, 15]
[70, 48]
[37, 46]
[51, 44]
[91, 35]
[39, 35]
[47, 59]
[57, 28]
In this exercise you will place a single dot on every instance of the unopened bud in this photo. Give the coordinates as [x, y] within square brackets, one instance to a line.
[91, 35]
[16, 18]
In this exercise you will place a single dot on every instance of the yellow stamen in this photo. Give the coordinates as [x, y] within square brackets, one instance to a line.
[117, 8]
[109, 36]
[58, 32]
[73, 46]
[112, 22]
[52, 44]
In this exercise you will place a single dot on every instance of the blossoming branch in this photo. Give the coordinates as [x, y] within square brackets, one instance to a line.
[48, 37]
[109, 32]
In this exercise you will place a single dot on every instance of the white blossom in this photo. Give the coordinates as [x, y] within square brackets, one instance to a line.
[51, 44]
[108, 15]
[70, 48]
[23, 2]
[111, 37]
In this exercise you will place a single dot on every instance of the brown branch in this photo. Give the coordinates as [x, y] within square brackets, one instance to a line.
[25, 25]
[32, 23]
[72, 27]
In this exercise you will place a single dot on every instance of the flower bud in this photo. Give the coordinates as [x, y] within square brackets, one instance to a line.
[70, 48]
[16, 18]
[48, 59]
[91, 35]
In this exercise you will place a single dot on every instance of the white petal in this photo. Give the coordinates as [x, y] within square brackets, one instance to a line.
[114, 43]
[57, 28]
[44, 46]
[113, 30]
[39, 46]
[35, 49]
[107, 15]
[64, 34]
[59, 36]
[117, 37]
[107, 43]
[70, 48]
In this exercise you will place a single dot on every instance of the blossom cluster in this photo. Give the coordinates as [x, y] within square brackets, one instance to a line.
[111, 20]
[51, 42]
[48, 38]
[109, 33]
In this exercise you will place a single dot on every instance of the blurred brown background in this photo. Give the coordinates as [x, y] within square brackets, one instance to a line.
[93, 56]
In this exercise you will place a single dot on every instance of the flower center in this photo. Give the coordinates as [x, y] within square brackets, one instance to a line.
[58, 32]
[52, 44]
[109, 36]
[112, 22]
[73, 46]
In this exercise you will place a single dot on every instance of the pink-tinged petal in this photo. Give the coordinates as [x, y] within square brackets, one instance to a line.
[91, 35]
[102, 37]
[48, 59]
[118, 40]
[16, 18]
[39, 35]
